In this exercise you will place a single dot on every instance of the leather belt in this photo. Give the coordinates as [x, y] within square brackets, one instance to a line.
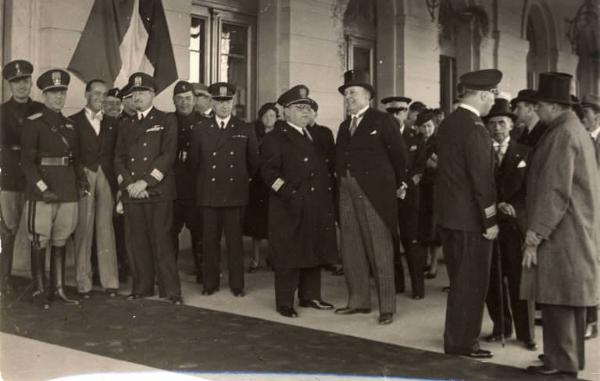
[63, 161]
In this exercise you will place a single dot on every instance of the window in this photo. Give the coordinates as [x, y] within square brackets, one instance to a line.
[197, 50]
[361, 53]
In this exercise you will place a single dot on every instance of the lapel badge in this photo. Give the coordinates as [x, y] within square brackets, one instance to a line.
[56, 78]
[223, 91]
[137, 81]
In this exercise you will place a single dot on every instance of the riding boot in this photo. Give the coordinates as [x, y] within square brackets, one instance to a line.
[6, 259]
[38, 275]
[57, 275]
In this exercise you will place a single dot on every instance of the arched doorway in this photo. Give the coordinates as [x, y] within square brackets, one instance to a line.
[540, 33]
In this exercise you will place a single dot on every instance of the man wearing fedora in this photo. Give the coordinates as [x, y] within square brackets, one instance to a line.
[561, 244]
[370, 165]
[224, 157]
[144, 157]
[466, 210]
[511, 168]
[523, 106]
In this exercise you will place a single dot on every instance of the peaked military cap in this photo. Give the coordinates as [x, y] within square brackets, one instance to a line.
[591, 101]
[126, 91]
[395, 98]
[483, 80]
[295, 95]
[357, 77]
[142, 81]
[554, 88]
[115, 92]
[182, 87]
[222, 91]
[17, 69]
[396, 103]
[200, 88]
[313, 104]
[54, 79]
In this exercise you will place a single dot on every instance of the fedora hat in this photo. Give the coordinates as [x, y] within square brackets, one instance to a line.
[357, 77]
[525, 95]
[591, 101]
[501, 107]
[554, 88]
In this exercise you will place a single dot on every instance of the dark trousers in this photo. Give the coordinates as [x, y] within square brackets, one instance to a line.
[506, 264]
[185, 213]
[591, 315]
[151, 247]
[306, 280]
[215, 221]
[120, 241]
[564, 331]
[468, 256]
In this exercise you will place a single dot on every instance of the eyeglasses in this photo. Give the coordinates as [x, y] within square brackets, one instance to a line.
[301, 107]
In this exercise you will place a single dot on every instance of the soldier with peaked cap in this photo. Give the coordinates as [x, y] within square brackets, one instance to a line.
[408, 205]
[129, 109]
[12, 179]
[560, 255]
[466, 210]
[144, 157]
[203, 100]
[224, 157]
[112, 103]
[185, 211]
[55, 183]
[301, 214]
[371, 162]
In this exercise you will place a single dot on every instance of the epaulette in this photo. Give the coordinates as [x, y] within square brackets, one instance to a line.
[34, 116]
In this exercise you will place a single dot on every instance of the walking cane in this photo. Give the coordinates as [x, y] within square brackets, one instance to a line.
[501, 288]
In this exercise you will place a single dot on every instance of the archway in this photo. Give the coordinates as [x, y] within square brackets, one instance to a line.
[541, 34]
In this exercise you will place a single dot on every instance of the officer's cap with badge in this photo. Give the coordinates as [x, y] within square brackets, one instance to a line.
[222, 91]
[481, 80]
[141, 81]
[54, 80]
[313, 104]
[296, 95]
[200, 89]
[126, 91]
[17, 69]
[396, 103]
[115, 92]
[183, 87]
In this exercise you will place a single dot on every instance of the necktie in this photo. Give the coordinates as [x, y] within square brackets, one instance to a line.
[306, 134]
[140, 117]
[222, 125]
[353, 125]
[500, 150]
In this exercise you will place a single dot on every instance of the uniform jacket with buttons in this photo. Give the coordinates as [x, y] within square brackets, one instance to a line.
[50, 134]
[224, 161]
[184, 174]
[301, 212]
[12, 118]
[416, 157]
[376, 156]
[146, 150]
[465, 190]
[97, 150]
[510, 182]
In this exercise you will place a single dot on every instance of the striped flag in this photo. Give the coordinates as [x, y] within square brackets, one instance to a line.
[122, 37]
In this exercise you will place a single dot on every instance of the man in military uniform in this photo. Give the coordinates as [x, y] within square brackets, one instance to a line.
[129, 108]
[466, 210]
[55, 183]
[12, 180]
[97, 135]
[112, 105]
[224, 158]
[185, 211]
[301, 214]
[408, 204]
[144, 157]
[203, 100]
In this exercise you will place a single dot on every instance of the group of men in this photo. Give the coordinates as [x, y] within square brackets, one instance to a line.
[538, 196]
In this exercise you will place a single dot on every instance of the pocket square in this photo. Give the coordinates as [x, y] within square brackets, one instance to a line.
[155, 128]
[413, 148]
[522, 164]
[374, 132]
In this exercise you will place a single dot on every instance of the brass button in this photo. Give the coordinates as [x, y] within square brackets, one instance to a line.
[145, 159]
[213, 179]
[132, 173]
[132, 159]
[305, 159]
[312, 189]
[214, 154]
[214, 166]
[145, 144]
[231, 179]
[232, 153]
[231, 165]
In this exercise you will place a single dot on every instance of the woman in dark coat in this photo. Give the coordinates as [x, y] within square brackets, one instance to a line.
[428, 235]
[256, 215]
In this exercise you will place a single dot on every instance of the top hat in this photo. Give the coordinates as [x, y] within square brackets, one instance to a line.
[55, 79]
[357, 78]
[295, 95]
[141, 81]
[17, 69]
[501, 107]
[554, 88]
[222, 91]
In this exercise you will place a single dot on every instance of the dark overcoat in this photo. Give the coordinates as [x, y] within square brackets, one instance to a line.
[510, 183]
[301, 214]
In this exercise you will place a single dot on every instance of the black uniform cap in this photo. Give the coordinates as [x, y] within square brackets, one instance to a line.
[295, 95]
[17, 69]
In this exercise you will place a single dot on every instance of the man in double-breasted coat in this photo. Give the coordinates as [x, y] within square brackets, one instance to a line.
[301, 214]
[560, 256]
[224, 156]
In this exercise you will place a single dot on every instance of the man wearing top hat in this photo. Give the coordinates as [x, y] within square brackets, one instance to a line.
[560, 255]
[55, 183]
[466, 210]
[224, 157]
[408, 203]
[523, 106]
[12, 180]
[511, 169]
[371, 162]
[301, 214]
[185, 211]
[144, 157]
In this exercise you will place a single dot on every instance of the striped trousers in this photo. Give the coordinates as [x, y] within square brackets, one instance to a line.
[366, 242]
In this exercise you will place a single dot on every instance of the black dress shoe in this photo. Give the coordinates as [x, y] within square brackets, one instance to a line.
[316, 304]
[385, 319]
[133, 296]
[111, 292]
[530, 345]
[417, 297]
[85, 295]
[542, 357]
[176, 300]
[480, 354]
[547, 371]
[287, 312]
[352, 311]
[208, 292]
[591, 331]
[238, 293]
[496, 337]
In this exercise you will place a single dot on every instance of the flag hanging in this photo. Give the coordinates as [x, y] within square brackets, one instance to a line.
[122, 37]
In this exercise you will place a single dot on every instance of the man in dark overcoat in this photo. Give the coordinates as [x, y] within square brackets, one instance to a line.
[523, 106]
[301, 214]
[144, 157]
[224, 156]
[370, 165]
[465, 209]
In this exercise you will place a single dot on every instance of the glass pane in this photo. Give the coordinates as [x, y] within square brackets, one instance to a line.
[233, 70]
[362, 58]
[234, 39]
[197, 51]
[194, 66]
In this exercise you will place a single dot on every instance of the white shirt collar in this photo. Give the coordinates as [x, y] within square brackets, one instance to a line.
[93, 115]
[470, 108]
[219, 120]
[360, 112]
[297, 128]
[595, 133]
[504, 143]
[144, 113]
[207, 112]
